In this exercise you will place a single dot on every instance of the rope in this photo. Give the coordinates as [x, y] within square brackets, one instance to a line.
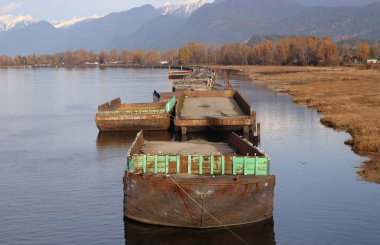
[233, 233]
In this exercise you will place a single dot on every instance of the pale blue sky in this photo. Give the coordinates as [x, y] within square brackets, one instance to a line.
[66, 9]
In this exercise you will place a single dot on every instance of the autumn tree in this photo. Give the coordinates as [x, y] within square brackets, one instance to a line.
[213, 54]
[193, 53]
[362, 51]
[114, 56]
[170, 56]
[137, 56]
[281, 54]
[152, 58]
[184, 55]
[327, 52]
[125, 56]
[267, 49]
[103, 57]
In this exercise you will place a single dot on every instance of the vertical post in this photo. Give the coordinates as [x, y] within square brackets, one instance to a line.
[223, 165]
[132, 164]
[245, 166]
[178, 163]
[184, 130]
[189, 164]
[166, 164]
[212, 165]
[256, 166]
[155, 164]
[144, 163]
[258, 134]
[200, 170]
[233, 166]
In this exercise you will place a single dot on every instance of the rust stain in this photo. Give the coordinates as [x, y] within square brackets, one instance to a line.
[155, 199]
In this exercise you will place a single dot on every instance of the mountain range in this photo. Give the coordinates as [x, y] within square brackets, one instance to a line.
[9, 22]
[173, 25]
[182, 9]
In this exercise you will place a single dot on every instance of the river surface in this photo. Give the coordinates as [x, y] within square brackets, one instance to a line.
[61, 181]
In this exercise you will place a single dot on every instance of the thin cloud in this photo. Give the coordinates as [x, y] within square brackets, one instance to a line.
[9, 7]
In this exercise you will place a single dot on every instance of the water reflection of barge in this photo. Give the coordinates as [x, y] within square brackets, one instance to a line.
[258, 233]
[197, 184]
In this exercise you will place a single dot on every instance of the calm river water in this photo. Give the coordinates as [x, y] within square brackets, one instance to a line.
[61, 182]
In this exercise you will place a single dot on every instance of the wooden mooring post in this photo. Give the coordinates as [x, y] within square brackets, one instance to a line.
[258, 134]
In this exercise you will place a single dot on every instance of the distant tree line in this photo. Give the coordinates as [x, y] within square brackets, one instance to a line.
[298, 50]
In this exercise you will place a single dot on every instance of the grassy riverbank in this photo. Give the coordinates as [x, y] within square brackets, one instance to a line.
[348, 98]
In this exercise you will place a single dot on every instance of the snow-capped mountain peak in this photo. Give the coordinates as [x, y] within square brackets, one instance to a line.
[8, 22]
[184, 8]
[73, 21]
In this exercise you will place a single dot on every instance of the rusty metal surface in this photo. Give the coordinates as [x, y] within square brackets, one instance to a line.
[243, 103]
[133, 122]
[111, 105]
[114, 116]
[233, 200]
[137, 144]
[178, 74]
[244, 147]
[213, 93]
[225, 124]
[204, 129]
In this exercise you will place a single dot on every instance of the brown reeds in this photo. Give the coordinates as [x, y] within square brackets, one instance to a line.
[348, 97]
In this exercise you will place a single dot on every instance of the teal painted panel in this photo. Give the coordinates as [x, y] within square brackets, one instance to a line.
[198, 164]
[171, 103]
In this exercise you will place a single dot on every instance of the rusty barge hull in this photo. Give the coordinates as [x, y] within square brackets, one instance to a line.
[132, 123]
[193, 85]
[174, 200]
[213, 113]
[179, 74]
[114, 116]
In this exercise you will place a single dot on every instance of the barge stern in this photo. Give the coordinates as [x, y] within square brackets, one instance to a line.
[194, 201]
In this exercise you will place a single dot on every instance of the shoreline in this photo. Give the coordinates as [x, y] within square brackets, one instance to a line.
[95, 66]
[347, 97]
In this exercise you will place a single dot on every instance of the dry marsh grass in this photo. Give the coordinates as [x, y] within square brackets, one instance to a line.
[348, 98]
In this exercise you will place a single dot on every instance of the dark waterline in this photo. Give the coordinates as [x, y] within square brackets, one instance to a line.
[60, 181]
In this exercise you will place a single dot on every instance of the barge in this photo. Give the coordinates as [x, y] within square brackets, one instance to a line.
[201, 79]
[179, 74]
[197, 184]
[193, 84]
[115, 116]
[221, 110]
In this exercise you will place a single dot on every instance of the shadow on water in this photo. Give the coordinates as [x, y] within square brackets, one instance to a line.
[258, 233]
[125, 139]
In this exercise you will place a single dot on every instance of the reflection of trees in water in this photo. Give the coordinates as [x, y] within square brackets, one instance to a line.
[258, 233]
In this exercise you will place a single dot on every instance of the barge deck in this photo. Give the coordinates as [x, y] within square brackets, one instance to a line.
[224, 110]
